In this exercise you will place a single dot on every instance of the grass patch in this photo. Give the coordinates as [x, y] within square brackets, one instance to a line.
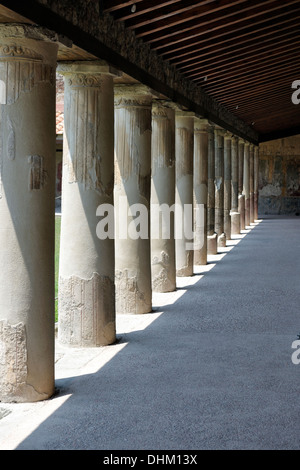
[57, 245]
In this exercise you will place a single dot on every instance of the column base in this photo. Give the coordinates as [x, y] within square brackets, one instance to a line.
[222, 240]
[235, 223]
[212, 244]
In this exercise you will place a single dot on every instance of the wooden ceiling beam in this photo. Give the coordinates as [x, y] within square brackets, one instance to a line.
[147, 14]
[230, 18]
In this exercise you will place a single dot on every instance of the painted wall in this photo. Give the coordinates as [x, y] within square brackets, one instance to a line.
[279, 177]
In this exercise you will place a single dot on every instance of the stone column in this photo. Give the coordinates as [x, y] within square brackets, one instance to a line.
[235, 215]
[86, 298]
[201, 128]
[251, 184]
[241, 198]
[133, 104]
[163, 197]
[212, 246]
[27, 210]
[246, 183]
[219, 187]
[256, 167]
[227, 185]
[184, 153]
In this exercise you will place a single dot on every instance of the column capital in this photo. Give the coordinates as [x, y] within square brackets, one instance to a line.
[201, 125]
[95, 67]
[127, 95]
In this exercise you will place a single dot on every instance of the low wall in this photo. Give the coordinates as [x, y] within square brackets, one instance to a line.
[279, 177]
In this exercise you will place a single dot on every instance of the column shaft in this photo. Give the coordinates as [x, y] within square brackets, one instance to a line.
[184, 150]
[200, 190]
[227, 186]
[27, 210]
[163, 198]
[251, 184]
[211, 234]
[235, 215]
[246, 183]
[133, 105]
[86, 274]
[256, 167]
[241, 199]
[219, 187]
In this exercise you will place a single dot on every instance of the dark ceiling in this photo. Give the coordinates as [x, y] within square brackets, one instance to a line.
[244, 53]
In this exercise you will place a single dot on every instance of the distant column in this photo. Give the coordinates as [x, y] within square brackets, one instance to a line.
[241, 198]
[27, 210]
[251, 185]
[201, 128]
[219, 187]
[246, 183]
[133, 104]
[256, 166]
[227, 185]
[212, 245]
[86, 275]
[184, 153]
[163, 197]
[235, 215]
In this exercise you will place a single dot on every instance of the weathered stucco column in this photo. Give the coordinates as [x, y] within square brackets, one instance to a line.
[256, 169]
[246, 183]
[212, 244]
[86, 273]
[219, 186]
[133, 105]
[163, 197]
[184, 153]
[227, 185]
[251, 184]
[201, 127]
[27, 209]
[235, 215]
[241, 199]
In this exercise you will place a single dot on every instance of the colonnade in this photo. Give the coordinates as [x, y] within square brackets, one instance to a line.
[126, 149]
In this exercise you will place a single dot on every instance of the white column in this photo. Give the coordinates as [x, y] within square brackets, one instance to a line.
[241, 206]
[246, 183]
[212, 245]
[227, 185]
[27, 211]
[184, 153]
[163, 197]
[251, 187]
[235, 215]
[219, 187]
[201, 128]
[133, 105]
[86, 274]
[256, 168]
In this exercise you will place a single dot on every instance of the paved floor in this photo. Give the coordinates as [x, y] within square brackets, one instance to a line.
[211, 368]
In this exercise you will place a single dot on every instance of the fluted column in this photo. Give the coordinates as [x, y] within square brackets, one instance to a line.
[246, 183]
[251, 184]
[227, 185]
[212, 245]
[27, 210]
[201, 128]
[241, 198]
[256, 169]
[86, 274]
[235, 215]
[219, 187]
[163, 197]
[184, 153]
[133, 104]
